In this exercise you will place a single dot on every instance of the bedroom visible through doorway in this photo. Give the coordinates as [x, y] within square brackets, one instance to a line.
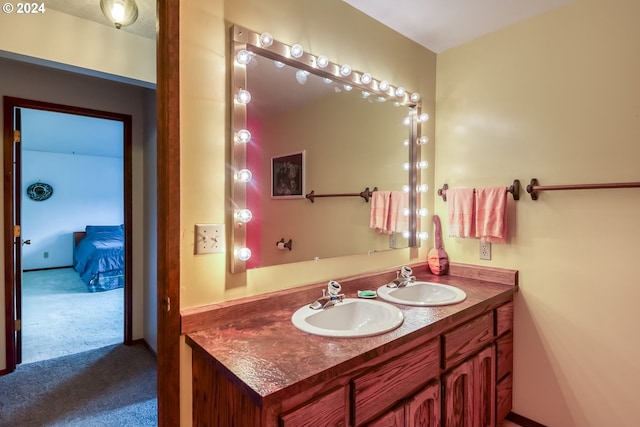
[70, 203]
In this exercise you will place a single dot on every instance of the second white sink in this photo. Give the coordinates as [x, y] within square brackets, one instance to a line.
[422, 294]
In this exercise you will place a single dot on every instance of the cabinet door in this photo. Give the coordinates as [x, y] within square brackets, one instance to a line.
[484, 383]
[458, 395]
[424, 408]
[393, 418]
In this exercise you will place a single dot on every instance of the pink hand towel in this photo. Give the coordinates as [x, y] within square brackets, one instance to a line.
[460, 202]
[398, 221]
[380, 203]
[491, 214]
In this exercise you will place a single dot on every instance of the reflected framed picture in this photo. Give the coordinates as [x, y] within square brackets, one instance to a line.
[287, 176]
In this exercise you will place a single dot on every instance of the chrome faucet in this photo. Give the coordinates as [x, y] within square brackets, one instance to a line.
[329, 299]
[403, 278]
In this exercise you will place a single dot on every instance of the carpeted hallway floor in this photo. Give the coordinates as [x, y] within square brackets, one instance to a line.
[60, 317]
[112, 386]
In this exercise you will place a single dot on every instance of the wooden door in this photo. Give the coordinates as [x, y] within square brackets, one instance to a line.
[458, 396]
[424, 408]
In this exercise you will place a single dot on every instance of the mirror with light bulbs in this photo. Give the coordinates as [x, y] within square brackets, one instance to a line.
[355, 133]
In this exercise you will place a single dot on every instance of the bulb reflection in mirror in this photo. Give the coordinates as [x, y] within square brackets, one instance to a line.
[243, 254]
[406, 211]
[423, 235]
[423, 212]
[423, 117]
[405, 166]
[244, 215]
[384, 86]
[244, 57]
[244, 175]
[322, 61]
[296, 51]
[423, 164]
[407, 121]
[423, 140]
[366, 78]
[327, 80]
[415, 97]
[278, 64]
[348, 88]
[422, 188]
[301, 76]
[405, 188]
[406, 142]
[266, 39]
[400, 91]
[243, 96]
[243, 136]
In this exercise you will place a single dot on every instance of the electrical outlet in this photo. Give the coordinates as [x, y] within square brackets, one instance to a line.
[485, 250]
[209, 238]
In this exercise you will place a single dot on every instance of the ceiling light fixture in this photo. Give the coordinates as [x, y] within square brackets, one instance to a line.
[121, 12]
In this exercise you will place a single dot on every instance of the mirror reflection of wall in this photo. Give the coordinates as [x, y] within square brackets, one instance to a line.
[351, 141]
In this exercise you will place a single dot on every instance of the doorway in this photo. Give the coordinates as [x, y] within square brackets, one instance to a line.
[17, 114]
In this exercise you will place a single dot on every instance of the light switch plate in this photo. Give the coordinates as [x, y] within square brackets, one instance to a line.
[209, 239]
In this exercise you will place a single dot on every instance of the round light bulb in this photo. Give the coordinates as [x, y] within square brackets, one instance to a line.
[406, 234]
[423, 140]
[384, 86]
[400, 91]
[422, 188]
[322, 61]
[243, 254]
[423, 117]
[244, 57]
[243, 136]
[423, 235]
[243, 96]
[422, 164]
[244, 215]
[296, 51]
[345, 70]
[406, 166]
[423, 212]
[366, 78]
[406, 212]
[266, 39]
[406, 121]
[405, 188]
[406, 142]
[414, 97]
[244, 175]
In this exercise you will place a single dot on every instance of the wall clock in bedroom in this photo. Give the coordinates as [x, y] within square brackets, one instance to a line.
[39, 191]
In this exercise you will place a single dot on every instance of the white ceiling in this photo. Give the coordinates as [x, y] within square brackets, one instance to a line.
[435, 24]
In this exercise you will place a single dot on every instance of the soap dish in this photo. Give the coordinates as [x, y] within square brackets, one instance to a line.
[367, 294]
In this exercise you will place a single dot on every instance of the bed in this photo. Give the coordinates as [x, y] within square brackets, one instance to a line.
[98, 256]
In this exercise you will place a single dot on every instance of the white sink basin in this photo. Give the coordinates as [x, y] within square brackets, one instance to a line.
[352, 317]
[424, 294]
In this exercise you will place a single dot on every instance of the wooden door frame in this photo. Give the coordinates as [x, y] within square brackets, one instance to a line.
[168, 298]
[9, 103]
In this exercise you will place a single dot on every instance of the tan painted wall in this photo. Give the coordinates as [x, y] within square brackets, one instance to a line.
[328, 27]
[557, 97]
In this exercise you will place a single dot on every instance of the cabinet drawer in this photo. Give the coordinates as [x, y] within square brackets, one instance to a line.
[505, 355]
[467, 339]
[328, 410]
[504, 318]
[383, 386]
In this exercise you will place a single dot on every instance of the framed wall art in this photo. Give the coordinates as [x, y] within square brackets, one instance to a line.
[287, 176]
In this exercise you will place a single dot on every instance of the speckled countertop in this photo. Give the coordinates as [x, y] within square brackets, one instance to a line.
[262, 349]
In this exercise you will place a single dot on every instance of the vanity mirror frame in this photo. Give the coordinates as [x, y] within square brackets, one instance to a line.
[250, 41]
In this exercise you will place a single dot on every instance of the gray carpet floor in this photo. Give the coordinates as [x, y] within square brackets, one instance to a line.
[110, 386]
[60, 317]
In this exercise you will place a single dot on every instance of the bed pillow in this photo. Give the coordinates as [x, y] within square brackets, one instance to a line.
[95, 229]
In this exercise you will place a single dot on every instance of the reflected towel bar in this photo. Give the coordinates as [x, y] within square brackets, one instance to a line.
[514, 189]
[533, 187]
[366, 194]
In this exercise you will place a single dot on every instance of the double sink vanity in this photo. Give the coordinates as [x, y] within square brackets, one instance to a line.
[368, 362]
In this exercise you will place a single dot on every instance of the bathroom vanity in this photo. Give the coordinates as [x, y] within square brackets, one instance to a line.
[444, 366]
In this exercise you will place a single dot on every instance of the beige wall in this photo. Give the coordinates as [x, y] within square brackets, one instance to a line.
[557, 97]
[328, 27]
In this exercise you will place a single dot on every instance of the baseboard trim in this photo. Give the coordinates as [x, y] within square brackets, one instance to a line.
[48, 268]
[522, 421]
[146, 344]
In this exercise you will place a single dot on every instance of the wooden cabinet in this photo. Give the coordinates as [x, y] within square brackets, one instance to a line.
[461, 377]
